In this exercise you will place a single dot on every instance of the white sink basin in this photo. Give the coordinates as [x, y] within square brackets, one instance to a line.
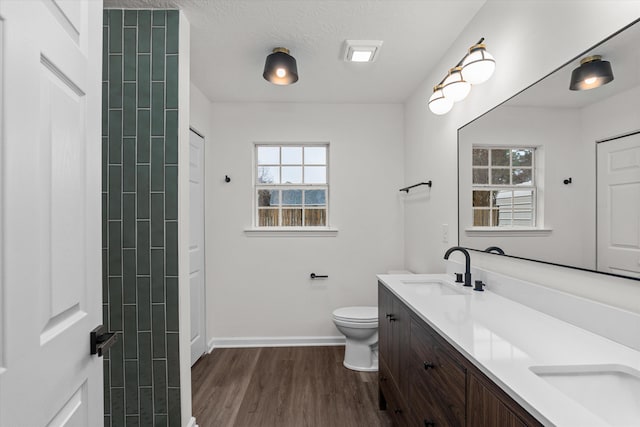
[611, 392]
[432, 287]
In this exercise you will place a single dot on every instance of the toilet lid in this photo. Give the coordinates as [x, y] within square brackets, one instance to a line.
[357, 314]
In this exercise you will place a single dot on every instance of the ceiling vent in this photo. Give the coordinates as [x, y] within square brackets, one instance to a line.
[361, 50]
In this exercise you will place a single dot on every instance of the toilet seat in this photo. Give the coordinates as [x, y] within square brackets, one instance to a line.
[357, 314]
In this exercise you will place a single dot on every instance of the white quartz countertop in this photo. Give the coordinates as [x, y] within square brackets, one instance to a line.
[504, 339]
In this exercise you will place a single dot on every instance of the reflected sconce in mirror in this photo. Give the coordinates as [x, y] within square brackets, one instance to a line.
[280, 68]
[474, 68]
[593, 72]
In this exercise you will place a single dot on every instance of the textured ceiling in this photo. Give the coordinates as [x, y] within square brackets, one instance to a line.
[230, 40]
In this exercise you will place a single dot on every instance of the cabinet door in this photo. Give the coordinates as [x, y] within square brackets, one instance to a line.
[393, 331]
[393, 335]
[385, 309]
[437, 383]
[398, 362]
[487, 405]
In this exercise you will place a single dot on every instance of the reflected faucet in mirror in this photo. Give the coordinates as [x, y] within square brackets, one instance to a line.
[467, 262]
[494, 249]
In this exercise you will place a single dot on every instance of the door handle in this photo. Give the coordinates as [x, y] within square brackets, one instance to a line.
[101, 341]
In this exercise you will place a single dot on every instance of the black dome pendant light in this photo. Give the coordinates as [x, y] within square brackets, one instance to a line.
[593, 72]
[280, 67]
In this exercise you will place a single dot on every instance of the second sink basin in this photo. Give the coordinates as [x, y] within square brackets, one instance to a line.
[432, 287]
[612, 392]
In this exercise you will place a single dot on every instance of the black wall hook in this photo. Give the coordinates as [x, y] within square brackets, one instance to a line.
[227, 179]
[568, 181]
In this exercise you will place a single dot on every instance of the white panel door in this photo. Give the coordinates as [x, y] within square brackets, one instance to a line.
[196, 245]
[50, 206]
[619, 206]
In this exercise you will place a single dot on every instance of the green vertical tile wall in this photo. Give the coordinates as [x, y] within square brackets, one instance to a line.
[140, 213]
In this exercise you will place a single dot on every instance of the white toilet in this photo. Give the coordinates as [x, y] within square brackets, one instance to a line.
[360, 327]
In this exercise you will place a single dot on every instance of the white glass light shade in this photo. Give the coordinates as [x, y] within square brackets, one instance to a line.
[454, 86]
[438, 103]
[478, 66]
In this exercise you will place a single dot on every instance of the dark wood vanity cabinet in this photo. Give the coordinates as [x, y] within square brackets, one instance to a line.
[393, 338]
[426, 382]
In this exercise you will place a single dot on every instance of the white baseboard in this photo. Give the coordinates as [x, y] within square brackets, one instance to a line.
[245, 342]
[192, 423]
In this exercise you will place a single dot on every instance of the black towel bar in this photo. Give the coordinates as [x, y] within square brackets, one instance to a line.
[428, 183]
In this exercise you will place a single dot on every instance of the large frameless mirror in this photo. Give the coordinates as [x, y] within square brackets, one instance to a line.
[553, 174]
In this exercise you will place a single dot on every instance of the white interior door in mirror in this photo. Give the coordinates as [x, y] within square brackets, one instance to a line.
[619, 206]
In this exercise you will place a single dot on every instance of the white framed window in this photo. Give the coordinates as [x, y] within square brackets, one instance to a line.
[504, 186]
[291, 186]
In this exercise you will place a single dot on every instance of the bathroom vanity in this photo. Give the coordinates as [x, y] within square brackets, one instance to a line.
[424, 380]
[450, 356]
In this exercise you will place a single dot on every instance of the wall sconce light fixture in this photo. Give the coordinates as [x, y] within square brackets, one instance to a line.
[438, 103]
[478, 66]
[454, 86]
[593, 72]
[474, 68]
[280, 68]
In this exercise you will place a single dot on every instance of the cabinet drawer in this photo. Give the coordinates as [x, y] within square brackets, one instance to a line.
[396, 408]
[434, 360]
[435, 405]
[437, 390]
[430, 345]
[488, 405]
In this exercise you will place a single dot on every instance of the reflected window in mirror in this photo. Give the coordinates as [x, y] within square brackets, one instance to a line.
[578, 222]
[503, 186]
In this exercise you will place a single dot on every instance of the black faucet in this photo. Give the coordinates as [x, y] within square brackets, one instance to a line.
[494, 249]
[467, 264]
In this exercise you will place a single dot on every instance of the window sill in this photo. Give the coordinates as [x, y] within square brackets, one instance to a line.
[291, 232]
[507, 231]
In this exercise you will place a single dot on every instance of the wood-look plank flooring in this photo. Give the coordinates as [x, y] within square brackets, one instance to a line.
[283, 387]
